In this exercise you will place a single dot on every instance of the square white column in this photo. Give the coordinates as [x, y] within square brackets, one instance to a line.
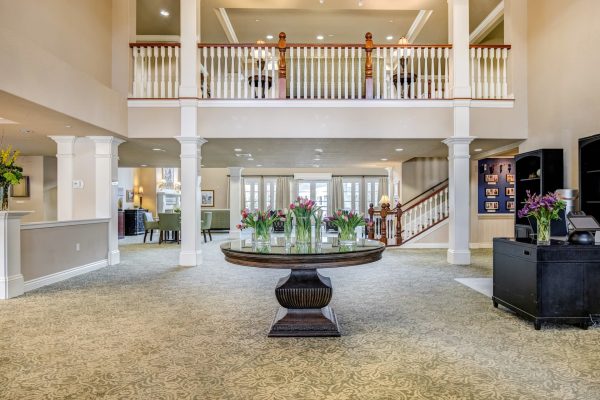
[189, 48]
[458, 35]
[235, 200]
[11, 279]
[191, 251]
[65, 155]
[106, 190]
[459, 196]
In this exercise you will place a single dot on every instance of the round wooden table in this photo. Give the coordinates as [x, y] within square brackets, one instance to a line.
[304, 294]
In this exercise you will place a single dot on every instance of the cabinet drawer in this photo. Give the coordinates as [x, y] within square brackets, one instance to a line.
[524, 252]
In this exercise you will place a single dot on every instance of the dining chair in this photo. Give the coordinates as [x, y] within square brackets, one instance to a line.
[169, 222]
[205, 225]
[149, 225]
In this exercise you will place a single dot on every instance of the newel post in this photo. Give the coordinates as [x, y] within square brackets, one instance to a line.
[371, 226]
[281, 45]
[385, 209]
[369, 66]
[399, 213]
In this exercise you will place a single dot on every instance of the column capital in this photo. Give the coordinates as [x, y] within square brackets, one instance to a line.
[106, 139]
[235, 172]
[63, 139]
[451, 141]
[191, 140]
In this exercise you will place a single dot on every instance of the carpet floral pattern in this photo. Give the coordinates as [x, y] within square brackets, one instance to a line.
[149, 329]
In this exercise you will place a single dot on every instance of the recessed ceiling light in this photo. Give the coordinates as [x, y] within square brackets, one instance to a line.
[319, 150]
[391, 21]
[316, 165]
[478, 150]
[399, 149]
[316, 159]
[259, 165]
[144, 165]
[202, 165]
[257, 20]
[331, 35]
[360, 3]
[237, 149]
[389, 37]
[157, 149]
[26, 131]
[251, 159]
[320, 37]
[164, 13]
[269, 37]
[66, 126]
[384, 159]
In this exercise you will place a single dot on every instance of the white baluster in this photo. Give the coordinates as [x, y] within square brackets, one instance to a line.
[291, 77]
[378, 79]
[155, 83]
[170, 72]
[353, 88]
[492, 82]
[433, 90]
[385, 74]
[246, 82]
[219, 84]
[446, 200]
[225, 69]
[136, 73]
[339, 96]
[426, 77]
[149, 72]
[479, 82]
[439, 68]
[412, 72]
[162, 72]
[498, 86]
[333, 73]
[298, 92]
[176, 71]
[346, 72]
[419, 78]
[405, 83]
[240, 78]
[473, 88]
[312, 73]
[305, 95]
[206, 76]
[446, 77]
[275, 74]
[259, 69]
[232, 73]
[325, 81]
[486, 89]
[359, 75]
[318, 72]
[504, 80]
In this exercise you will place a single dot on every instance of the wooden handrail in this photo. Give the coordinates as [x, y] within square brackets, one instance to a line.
[414, 46]
[426, 198]
[445, 181]
[490, 46]
[154, 44]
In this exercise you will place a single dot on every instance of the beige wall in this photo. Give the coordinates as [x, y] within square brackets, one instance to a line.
[419, 174]
[145, 177]
[42, 254]
[84, 199]
[216, 179]
[563, 42]
[42, 189]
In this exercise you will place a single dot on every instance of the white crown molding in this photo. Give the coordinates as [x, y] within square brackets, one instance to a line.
[226, 25]
[491, 21]
[418, 24]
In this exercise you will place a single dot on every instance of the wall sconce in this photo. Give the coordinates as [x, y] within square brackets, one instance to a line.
[140, 192]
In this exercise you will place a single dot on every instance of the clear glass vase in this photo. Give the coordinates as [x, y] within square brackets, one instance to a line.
[262, 236]
[347, 237]
[287, 232]
[543, 232]
[4, 197]
[303, 230]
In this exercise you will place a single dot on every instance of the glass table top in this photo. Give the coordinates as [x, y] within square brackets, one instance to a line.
[278, 246]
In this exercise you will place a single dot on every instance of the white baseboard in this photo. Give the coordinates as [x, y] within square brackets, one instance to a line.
[418, 245]
[63, 275]
[488, 245]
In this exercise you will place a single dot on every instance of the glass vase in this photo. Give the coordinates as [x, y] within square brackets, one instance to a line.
[347, 237]
[287, 232]
[318, 234]
[4, 197]
[303, 230]
[262, 236]
[543, 232]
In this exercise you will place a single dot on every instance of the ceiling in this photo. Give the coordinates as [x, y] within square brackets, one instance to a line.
[339, 21]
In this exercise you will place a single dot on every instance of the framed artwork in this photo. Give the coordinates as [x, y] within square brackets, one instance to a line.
[510, 178]
[129, 196]
[208, 198]
[509, 191]
[491, 192]
[492, 206]
[491, 179]
[510, 205]
[21, 189]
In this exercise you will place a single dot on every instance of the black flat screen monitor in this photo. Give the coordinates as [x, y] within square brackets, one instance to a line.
[584, 223]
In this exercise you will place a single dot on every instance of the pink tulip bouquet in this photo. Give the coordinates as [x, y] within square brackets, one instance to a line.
[304, 210]
[260, 221]
[347, 222]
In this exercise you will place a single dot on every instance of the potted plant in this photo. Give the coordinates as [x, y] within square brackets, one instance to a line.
[544, 209]
[261, 222]
[10, 174]
[346, 223]
[304, 210]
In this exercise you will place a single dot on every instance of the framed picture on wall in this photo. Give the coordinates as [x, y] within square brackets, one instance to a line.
[492, 206]
[208, 198]
[509, 191]
[510, 178]
[129, 196]
[491, 192]
[510, 205]
[21, 189]
[491, 179]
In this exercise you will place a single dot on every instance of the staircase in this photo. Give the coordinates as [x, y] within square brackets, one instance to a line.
[405, 222]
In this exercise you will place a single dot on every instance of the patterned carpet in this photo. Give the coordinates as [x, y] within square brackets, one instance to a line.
[148, 329]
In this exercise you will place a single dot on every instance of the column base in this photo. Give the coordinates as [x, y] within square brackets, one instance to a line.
[190, 258]
[114, 257]
[12, 286]
[459, 257]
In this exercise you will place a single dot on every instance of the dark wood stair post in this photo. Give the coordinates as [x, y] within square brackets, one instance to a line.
[385, 209]
[371, 225]
[369, 66]
[281, 45]
[399, 224]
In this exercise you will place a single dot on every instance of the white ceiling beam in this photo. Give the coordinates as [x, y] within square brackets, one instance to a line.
[488, 24]
[418, 24]
[226, 24]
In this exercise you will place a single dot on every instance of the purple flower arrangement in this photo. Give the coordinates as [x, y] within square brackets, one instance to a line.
[544, 209]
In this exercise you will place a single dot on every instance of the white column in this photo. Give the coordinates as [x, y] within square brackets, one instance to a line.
[191, 252]
[106, 189]
[390, 176]
[459, 196]
[189, 48]
[458, 34]
[65, 155]
[235, 200]
[11, 279]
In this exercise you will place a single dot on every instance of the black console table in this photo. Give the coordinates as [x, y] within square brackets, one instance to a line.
[134, 221]
[556, 283]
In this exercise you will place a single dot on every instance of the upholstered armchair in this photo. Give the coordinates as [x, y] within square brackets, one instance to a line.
[206, 222]
[149, 225]
[169, 223]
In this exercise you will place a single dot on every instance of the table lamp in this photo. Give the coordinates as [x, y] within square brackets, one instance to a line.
[385, 199]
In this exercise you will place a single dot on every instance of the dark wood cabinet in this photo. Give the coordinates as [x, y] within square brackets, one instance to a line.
[134, 221]
[556, 283]
[121, 224]
[589, 175]
[538, 171]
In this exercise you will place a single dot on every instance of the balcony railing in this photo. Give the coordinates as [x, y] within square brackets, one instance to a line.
[309, 71]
